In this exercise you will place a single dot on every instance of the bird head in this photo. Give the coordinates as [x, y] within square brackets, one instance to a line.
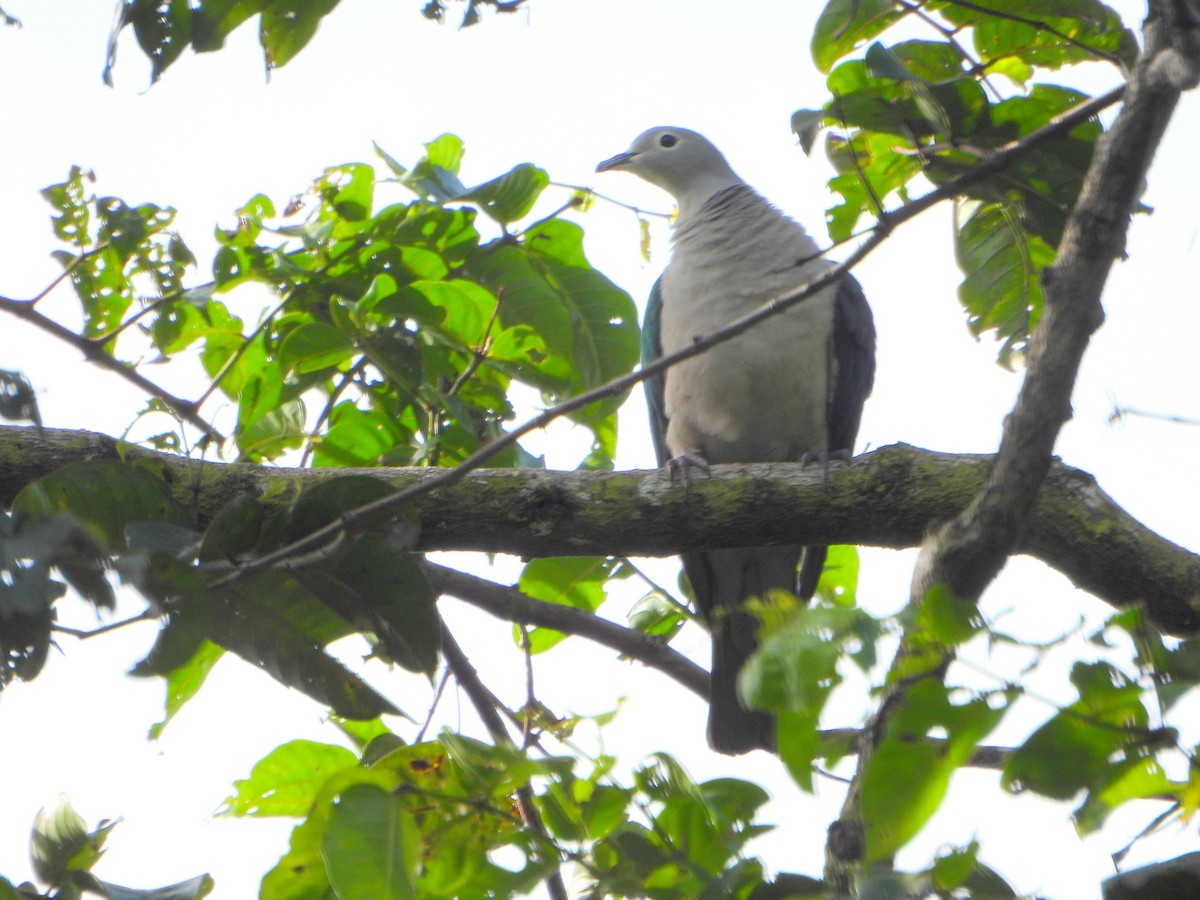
[681, 162]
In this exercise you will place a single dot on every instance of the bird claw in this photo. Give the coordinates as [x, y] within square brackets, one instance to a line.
[680, 467]
[823, 457]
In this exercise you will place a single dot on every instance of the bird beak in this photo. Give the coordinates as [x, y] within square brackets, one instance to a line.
[616, 162]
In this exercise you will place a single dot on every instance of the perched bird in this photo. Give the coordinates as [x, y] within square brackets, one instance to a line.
[790, 388]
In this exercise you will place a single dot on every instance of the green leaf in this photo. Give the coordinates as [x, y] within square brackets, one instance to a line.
[495, 771]
[178, 590]
[466, 307]
[846, 24]
[909, 773]
[192, 889]
[436, 175]
[445, 152]
[61, 842]
[839, 578]
[1002, 264]
[234, 529]
[952, 868]
[301, 872]
[288, 25]
[589, 325]
[656, 614]
[314, 346]
[17, 398]
[349, 189]
[1090, 732]
[357, 438]
[576, 581]
[272, 622]
[214, 20]
[1132, 779]
[512, 195]
[185, 682]
[792, 674]
[106, 494]
[946, 619]
[70, 201]
[377, 586]
[287, 780]
[1049, 35]
[163, 29]
[372, 847]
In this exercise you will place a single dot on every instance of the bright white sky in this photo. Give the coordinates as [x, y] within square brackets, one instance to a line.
[563, 85]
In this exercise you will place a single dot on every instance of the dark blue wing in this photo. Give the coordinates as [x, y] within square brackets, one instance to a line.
[853, 364]
[852, 373]
[653, 386]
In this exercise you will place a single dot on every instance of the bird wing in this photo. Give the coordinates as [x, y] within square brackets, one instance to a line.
[654, 385]
[852, 362]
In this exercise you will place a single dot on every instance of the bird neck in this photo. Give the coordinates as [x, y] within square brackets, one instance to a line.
[702, 189]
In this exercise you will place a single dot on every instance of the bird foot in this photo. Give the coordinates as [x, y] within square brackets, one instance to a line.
[823, 457]
[681, 466]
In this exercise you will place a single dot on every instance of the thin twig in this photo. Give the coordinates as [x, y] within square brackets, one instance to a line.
[67, 271]
[145, 616]
[950, 36]
[608, 199]
[486, 704]
[344, 382]
[437, 696]
[237, 354]
[530, 697]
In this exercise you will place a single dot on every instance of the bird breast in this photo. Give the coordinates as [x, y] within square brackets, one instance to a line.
[761, 396]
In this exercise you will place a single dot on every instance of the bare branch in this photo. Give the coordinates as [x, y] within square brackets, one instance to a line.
[513, 606]
[185, 409]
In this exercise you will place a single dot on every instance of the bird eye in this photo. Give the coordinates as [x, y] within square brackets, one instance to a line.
[668, 140]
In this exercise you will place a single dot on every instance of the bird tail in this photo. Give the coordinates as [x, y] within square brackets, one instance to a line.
[723, 580]
[733, 729]
[810, 572]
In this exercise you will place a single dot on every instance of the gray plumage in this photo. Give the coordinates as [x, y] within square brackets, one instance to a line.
[791, 388]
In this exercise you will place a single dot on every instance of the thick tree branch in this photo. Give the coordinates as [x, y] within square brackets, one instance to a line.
[890, 497]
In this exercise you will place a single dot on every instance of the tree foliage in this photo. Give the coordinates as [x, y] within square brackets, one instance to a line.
[403, 309]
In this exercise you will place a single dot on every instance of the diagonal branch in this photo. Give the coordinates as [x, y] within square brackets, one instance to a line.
[185, 409]
[512, 605]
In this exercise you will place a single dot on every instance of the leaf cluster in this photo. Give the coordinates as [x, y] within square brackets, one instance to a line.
[64, 852]
[934, 106]
[436, 819]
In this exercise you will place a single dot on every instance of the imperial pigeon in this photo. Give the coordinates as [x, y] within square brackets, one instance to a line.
[790, 388]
